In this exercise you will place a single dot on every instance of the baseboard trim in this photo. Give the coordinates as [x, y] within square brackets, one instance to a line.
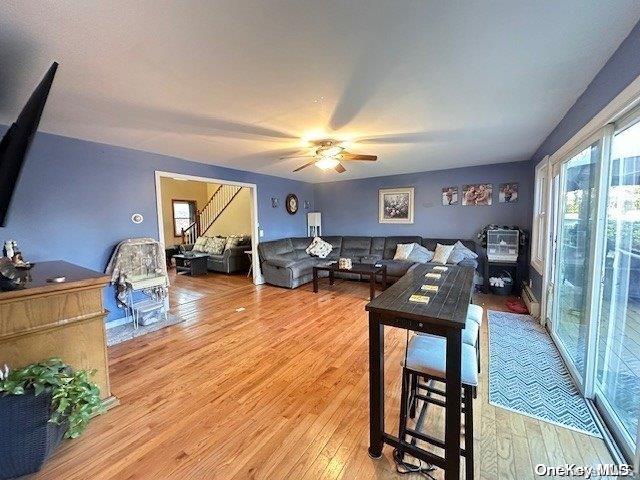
[117, 322]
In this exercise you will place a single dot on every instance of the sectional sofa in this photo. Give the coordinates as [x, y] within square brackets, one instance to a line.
[233, 259]
[285, 262]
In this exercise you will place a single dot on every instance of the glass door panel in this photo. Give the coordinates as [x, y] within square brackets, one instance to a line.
[576, 217]
[618, 346]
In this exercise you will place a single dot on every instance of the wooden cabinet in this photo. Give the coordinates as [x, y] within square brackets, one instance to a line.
[64, 320]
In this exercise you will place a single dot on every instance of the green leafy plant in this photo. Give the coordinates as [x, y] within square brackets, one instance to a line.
[75, 398]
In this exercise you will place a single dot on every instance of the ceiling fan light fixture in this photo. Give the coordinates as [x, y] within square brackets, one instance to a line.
[327, 163]
[329, 151]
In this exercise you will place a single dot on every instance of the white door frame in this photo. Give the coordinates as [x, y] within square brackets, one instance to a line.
[258, 279]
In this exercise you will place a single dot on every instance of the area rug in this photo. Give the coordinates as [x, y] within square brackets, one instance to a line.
[126, 332]
[527, 374]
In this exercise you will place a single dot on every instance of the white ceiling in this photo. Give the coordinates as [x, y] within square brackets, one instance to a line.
[431, 84]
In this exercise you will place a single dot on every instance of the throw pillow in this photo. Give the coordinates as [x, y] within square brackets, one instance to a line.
[442, 253]
[215, 245]
[201, 244]
[460, 253]
[319, 248]
[403, 250]
[420, 254]
[233, 241]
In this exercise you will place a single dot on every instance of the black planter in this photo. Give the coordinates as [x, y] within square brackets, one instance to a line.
[27, 437]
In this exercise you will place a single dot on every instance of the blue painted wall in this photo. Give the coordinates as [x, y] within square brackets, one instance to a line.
[75, 198]
[620, 70]
[351, 207]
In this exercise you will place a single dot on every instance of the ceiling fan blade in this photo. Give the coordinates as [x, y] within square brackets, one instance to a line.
[399, 138]
[305, 166]
[296, 156]
[340, 168]
[355, 156]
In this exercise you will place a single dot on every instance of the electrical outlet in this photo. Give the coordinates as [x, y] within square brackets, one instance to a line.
[261, 233]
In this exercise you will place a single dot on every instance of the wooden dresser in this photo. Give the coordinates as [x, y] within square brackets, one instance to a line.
[64, 320]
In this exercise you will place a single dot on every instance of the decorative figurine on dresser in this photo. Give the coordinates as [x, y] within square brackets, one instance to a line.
[138, 269]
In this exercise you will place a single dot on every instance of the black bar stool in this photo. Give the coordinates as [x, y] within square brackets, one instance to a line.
[426, 360]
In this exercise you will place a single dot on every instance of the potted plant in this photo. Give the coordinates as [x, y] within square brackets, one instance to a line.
[39, 405]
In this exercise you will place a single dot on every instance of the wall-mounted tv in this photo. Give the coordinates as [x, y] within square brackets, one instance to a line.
[16, 141]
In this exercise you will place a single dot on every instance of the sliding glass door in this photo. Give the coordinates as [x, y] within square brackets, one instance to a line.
[575, 227]
[595, 275]
[617, 379]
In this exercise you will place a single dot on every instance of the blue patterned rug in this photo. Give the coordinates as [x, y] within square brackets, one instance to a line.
[527, 374]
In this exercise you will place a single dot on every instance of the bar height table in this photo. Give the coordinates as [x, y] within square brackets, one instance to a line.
[445, 316]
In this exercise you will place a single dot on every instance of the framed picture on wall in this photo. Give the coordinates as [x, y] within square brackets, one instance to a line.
[508, 193]
[477, 194]
[450, 196]
[395, 205]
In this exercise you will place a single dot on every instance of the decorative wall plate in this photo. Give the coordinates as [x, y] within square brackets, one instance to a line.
[292, 203]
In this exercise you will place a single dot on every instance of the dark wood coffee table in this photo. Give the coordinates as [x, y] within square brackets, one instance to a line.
[360, 268]
[191, 263]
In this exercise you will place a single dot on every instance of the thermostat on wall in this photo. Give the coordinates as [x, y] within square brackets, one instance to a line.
[137, 218]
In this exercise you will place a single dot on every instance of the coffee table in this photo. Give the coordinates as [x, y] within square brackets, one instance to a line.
[360, 268]
[191, 263]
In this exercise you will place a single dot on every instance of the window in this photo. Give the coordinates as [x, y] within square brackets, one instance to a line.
[540, 207]
[184, 214]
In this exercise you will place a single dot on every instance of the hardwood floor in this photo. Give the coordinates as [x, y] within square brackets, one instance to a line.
[277, 390]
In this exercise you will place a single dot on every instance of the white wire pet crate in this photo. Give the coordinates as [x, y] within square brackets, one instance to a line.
[502, 245]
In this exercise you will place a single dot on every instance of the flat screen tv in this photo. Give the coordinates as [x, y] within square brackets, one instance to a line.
[16, 141]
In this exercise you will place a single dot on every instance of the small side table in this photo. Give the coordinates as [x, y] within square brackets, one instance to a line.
[512, 267]
[250, 255]
[192, 264]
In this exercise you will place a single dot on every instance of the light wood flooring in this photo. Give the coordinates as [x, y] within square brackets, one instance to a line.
[277, 390]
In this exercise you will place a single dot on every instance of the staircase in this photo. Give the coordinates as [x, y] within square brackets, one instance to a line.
[206, 217]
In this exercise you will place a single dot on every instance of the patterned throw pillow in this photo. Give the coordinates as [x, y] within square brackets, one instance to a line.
[403, 250]
[233, 241]
[420, 254]
[442, 253]
[201, 244]
[319, 248]
[460, 253]
[215, 245]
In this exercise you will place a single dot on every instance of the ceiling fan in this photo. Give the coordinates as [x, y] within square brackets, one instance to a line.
[329, 154]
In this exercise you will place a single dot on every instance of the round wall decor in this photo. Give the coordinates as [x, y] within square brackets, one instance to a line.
[137, 218]
[292, 203]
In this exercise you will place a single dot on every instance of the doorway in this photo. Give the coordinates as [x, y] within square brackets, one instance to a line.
[208, 209]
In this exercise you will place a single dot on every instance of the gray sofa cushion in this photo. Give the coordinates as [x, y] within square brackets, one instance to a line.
[336, 243]
[282, 260]
[303, 266]
[371, 259]
[397, 268]
[300, 245]
[355, 247]
[377, 246]
[391, 243]
[275, 247]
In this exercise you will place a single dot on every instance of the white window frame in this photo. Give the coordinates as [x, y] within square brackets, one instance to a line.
[540, 216]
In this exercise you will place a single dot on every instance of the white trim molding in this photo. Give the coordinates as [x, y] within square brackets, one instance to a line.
[539, 230]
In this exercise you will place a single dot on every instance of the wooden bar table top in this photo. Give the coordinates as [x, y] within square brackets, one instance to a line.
[445, 315]
[64, 320]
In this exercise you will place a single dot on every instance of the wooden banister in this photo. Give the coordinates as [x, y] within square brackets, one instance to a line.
[212, 210]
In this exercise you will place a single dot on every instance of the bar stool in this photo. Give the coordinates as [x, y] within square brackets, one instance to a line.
[475, 314]
[426, 359]
[471, 331]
